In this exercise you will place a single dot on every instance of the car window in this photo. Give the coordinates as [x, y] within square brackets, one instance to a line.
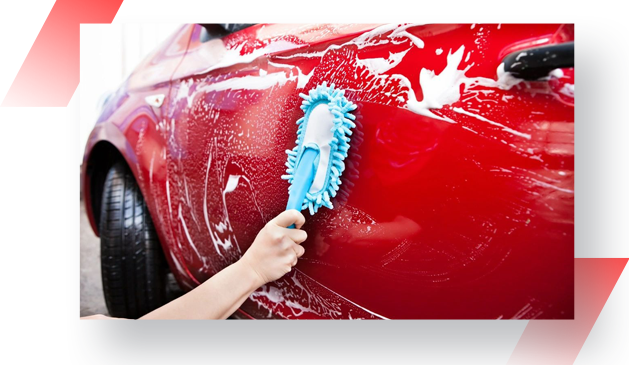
[213, 31]
[233, 28]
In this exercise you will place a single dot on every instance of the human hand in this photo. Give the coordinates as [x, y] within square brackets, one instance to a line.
[276, 248]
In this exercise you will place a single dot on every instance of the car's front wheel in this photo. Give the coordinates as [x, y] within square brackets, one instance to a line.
[133, 266]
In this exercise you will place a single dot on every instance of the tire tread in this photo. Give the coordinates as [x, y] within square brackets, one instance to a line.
[133, 266]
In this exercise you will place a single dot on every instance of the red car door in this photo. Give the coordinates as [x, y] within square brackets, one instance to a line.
[457, 200]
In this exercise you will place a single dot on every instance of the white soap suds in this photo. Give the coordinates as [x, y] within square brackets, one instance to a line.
[273, 294]
[301, 294]
[381, 65]
[444, 88]
[557, 73]
[402, 32]
[170, 207]
[184, 92]
[185, 229]
[441, 89]
[506, 80]
[568, 90]
[367, 39]
[302, 79]
[232, 56]
[250, 82]
[232, 183]
[262, 81]
[306, 55]
[439, 51]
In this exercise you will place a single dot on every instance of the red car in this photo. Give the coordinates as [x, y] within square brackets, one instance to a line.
[458, 196]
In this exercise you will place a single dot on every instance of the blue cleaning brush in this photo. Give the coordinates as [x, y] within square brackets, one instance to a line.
[315, 165]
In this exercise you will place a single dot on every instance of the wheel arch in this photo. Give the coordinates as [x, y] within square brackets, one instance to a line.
[102, 157]
[107, 145]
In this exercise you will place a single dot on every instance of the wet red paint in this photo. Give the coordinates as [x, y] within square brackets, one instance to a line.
[472, 219]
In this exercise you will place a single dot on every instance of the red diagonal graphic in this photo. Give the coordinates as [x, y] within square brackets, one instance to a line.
[558, 342]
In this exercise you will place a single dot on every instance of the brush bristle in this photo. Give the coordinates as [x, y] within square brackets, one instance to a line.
[340, 108]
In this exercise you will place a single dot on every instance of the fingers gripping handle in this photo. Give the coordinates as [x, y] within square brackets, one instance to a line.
[302, 181]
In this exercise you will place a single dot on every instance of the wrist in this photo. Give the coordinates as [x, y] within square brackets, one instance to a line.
[249, 274]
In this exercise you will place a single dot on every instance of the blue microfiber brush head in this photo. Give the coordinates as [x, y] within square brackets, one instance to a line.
[325, 128]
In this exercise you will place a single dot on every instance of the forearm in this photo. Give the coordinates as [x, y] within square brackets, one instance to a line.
[216, 298]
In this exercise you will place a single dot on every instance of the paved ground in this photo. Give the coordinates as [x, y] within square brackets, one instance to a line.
[92, 300]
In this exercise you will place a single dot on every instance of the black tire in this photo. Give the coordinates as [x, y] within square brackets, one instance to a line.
[133, 266]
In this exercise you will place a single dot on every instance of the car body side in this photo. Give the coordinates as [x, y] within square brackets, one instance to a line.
[458, 195]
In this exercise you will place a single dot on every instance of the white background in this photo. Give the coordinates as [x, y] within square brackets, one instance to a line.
[109, 52]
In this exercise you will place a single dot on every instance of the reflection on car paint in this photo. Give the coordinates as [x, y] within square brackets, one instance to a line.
[450, 173]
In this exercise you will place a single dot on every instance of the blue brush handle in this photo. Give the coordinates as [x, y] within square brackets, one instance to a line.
[302, 181]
